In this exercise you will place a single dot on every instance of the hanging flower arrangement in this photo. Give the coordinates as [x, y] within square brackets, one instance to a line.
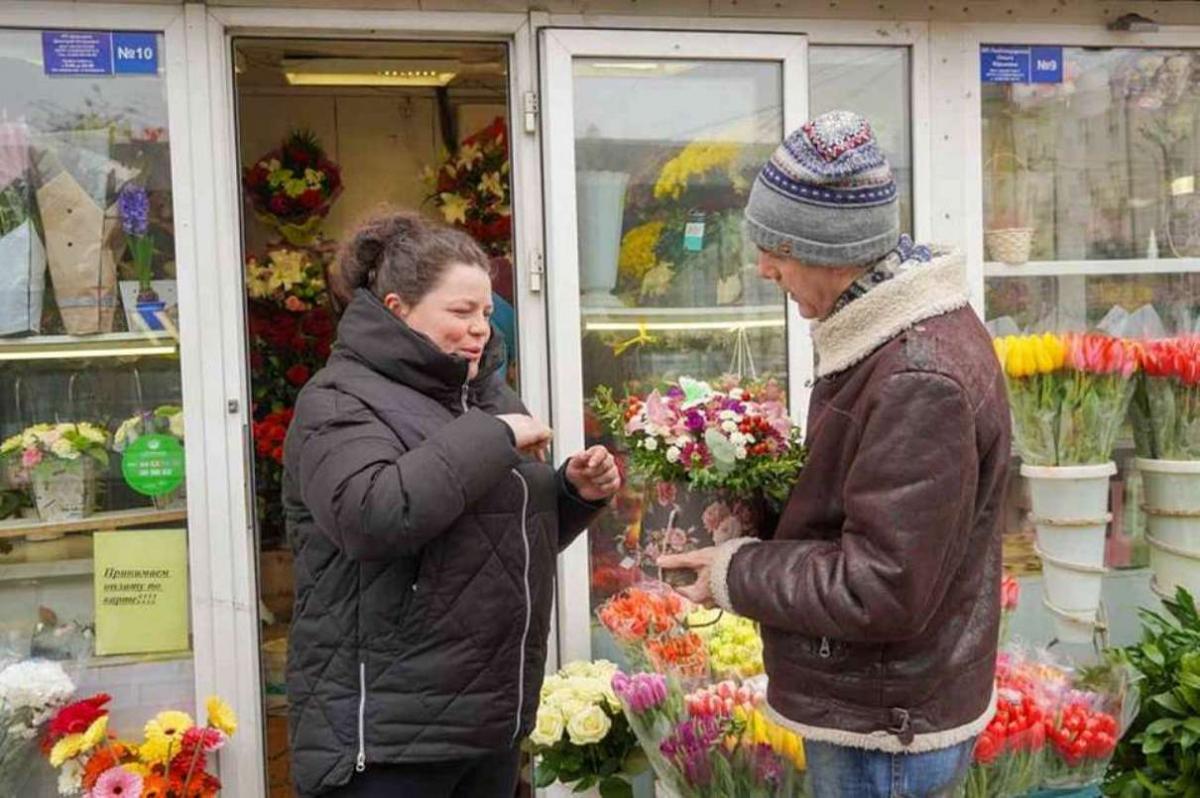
[292, 187]
[471, 189]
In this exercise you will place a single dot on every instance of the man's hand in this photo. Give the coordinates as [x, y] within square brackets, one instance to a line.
[594, 474]
[700, 561]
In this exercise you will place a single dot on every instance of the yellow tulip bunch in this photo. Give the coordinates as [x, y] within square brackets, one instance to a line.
[1029, 355]
[760, 731]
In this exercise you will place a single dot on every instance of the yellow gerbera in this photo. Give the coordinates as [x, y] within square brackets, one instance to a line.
[164, 734]
[157, 750]
[68, 747]
[221, 716]
[96, 733]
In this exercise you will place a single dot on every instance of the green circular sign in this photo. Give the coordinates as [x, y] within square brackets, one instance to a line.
[153, 465]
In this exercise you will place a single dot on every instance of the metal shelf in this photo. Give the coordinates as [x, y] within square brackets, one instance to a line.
[718, 317]
[120, 519]
[70, 347]
[1088, 268]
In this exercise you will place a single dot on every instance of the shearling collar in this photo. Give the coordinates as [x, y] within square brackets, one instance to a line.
[847, 337]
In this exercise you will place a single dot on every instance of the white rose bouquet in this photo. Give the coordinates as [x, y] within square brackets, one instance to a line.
[582, 737]
[31, 691]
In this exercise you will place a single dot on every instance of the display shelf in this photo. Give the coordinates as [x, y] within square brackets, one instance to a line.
[54, 569]
[70, 347]
[1090, 268]
[120, 519]
[717, 317]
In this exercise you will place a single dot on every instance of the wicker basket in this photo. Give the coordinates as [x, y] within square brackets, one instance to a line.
[1011, 245]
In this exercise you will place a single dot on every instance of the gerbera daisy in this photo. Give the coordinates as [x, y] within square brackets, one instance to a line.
[68, 747]
[118, 783]
[96, 734]
[102, 760]
[221, 716]
[78, 717]
[155, 786]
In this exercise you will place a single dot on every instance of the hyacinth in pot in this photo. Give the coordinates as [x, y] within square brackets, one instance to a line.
[716, 462]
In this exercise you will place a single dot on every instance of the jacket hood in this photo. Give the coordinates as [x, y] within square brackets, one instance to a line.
[369, 332]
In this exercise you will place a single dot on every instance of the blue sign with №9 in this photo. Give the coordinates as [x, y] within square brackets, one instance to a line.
[1019, 64]
[135, 53]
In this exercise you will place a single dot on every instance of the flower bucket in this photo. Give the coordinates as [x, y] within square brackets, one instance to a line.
[63, 490]
[1069, 494]
[1010, 246]
[1080, 543]
[1072, 627]
[1071, 587]
[22, 280]
[678, 518]
[1171, 486]
[1174, 567]
[600, 208]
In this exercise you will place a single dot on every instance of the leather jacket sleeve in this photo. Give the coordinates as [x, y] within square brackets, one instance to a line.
[908, 498]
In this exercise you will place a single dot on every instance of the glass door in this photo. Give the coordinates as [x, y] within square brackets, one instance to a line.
[652, 142]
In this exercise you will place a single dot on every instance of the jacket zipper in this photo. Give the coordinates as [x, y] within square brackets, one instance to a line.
[826, 650]
[528, 608]
[466, 387]
[360, 763]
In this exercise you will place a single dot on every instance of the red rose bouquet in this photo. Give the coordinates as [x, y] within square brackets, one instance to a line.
[292, 187]
[471, 188]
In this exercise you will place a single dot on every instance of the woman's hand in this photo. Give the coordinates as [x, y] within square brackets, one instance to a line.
[532, 436]
[594, 474]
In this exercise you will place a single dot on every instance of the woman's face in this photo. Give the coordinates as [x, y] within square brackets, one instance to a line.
[455, 315]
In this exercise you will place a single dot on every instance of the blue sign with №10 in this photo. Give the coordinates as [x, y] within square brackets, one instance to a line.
[1019, 64]
[91, 53]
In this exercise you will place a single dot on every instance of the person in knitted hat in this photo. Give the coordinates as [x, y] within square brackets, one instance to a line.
[879, 593]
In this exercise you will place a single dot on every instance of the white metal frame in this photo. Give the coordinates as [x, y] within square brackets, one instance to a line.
[559, 47]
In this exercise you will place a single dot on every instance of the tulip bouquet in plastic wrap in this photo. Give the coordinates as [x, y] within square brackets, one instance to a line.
[698, 706]
[1069, 394]
[1055, 727]
[1166, 408]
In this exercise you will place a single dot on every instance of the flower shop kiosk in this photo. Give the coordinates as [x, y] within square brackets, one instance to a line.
[175, 179]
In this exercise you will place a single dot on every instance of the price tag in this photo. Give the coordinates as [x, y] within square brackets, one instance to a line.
[693, 236]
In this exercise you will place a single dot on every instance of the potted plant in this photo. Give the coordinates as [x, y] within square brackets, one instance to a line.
[22, 255]
[163, 420]
[1069, 395]
[60, 460]
[1166, 416]
[581, 738]
[716, 461]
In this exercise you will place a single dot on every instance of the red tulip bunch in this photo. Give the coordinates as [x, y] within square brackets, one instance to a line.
[1009, 753]
[1082, 741]
[1166, 408]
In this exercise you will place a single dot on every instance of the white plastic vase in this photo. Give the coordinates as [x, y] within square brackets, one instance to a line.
[1070, 627]
[22, 280]
[1172, 491]
[1071, 587]
[1069, 493]
[600, 208]
[1080, 543]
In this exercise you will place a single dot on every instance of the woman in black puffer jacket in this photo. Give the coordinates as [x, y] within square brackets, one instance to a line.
[425, 529]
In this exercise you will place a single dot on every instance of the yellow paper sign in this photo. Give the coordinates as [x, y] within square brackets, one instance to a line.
[141, 583]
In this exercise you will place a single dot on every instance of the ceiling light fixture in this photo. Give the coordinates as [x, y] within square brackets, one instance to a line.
[367, 72]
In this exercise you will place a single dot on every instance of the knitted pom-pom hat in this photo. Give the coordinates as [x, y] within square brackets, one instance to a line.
[826, 197]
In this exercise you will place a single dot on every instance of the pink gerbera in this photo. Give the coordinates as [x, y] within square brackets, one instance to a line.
[117, 783]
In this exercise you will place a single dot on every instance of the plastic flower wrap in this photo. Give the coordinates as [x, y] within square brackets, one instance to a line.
[1166, 408]
[735, 648]
[691, 431]
[31, 691]
[173, 760]
[582, 737]
[1068, 393]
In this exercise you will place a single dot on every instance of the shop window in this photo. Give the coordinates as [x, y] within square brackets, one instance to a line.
[1091, 217]
[92, 488]
[363, 126]
[877, 83]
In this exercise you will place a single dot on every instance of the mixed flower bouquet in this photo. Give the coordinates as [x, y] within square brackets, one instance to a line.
[1069, 395]
[291, 278]
[471, 188]
[67, 442]
[1053, 728]
[695, 698]
[737, 439]
[31, 691]
[293, 186]
[171, 761]
[163, 420]
[582, 737]
[1166, 407]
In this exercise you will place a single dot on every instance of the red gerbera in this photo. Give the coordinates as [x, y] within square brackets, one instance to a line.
[78, 717]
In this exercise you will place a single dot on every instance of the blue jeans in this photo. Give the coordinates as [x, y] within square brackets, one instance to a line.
[835, 771]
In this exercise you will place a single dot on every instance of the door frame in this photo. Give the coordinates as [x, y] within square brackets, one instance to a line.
[210, 34]
[557, 48]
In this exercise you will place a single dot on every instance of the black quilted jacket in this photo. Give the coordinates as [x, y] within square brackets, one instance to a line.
[425, 550]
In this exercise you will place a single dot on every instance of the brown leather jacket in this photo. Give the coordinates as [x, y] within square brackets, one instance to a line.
[879, 594]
